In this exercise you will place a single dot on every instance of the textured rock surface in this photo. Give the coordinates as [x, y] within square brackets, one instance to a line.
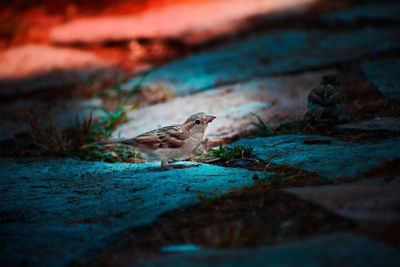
[273, 99]
[63, 114]
[53, 211]
[384, 74]
[328, 157]
[340, 249]
[382, 11]
[389, 124]
[30, 67]
[372, 201]
[267, 54]
[192, 20]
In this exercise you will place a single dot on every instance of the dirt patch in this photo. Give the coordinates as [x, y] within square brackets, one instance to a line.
[249, 217]
[14, 216]
[389, 234]
[283, 175]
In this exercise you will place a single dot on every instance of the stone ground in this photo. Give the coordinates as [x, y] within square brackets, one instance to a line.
[325, 194]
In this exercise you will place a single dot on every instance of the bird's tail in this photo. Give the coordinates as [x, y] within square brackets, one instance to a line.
[112, 142]
[109, 142]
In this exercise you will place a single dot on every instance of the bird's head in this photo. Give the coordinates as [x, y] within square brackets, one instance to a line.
[331, 79]
[198, 122]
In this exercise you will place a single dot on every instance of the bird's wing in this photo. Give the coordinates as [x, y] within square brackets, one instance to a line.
[166, 137]
[326, 94]
[317, 94]
[336, 94]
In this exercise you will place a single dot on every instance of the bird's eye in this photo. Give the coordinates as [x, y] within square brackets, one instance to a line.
[197, 121]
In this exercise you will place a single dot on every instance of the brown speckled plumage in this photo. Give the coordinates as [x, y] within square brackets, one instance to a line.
[327, 100]
[170, 142]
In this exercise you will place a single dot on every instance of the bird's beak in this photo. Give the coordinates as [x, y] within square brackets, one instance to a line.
[209, 119]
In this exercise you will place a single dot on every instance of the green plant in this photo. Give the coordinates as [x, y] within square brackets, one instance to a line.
[82, 139]
[103, 127]
[50, 139]
[263, 129]
[230, 153]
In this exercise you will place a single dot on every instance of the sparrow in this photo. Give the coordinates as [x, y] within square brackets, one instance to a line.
[326, 100]
[170, 142]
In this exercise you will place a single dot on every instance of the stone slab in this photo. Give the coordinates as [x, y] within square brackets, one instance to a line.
[328, 157]
[339, 249]
[370, 201]
[53, 211]
[384, 74]
[274, 100]
[268, 53]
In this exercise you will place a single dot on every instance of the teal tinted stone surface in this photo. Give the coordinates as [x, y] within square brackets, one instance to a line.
[54, 211]
[325, 156]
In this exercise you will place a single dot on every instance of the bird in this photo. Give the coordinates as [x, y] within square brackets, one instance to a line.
[327, 100]
[170, 142]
